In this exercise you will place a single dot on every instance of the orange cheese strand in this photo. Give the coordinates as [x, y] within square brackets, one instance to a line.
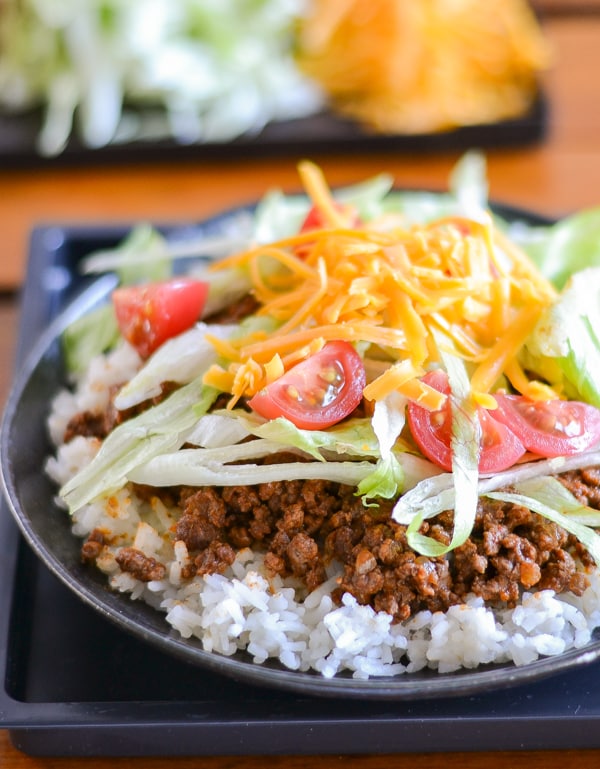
[404, 378]
[532, 389]
[524, 267]
[387, 288]
[357, 332]
[318, 191]
[497, 356]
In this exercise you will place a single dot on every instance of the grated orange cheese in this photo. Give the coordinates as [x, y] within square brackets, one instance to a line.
[387, 290]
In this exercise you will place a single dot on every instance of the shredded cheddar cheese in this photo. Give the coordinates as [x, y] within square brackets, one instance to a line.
[390, 291]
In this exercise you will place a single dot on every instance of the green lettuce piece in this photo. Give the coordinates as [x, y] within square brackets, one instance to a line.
[352, 438]
[158, 430]
[465, 444]
[88, 336]
[551, 492]
[384, 482]
[189, 468]
[467, 194]
[559, 250]
[142, 255]
[564, 347]
[180, 359]
[388, 421]
[367, 197]
[279, 215]
[469, 184]
[586, 535]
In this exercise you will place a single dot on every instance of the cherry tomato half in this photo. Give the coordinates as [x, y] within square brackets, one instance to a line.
[150, 314]
[550, 428]
[432, 432]
[317, 392]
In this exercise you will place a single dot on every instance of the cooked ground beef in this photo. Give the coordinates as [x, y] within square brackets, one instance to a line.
[301, 525]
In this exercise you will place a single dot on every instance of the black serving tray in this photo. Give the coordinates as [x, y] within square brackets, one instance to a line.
[75, 685]
[323, 132]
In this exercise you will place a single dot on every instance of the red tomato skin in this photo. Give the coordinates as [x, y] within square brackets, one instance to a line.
[150, 314]
[550, 428]
[302, 408]
[432, 432]
[316, 221]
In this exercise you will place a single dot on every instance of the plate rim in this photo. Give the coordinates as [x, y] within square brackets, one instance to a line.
[401, 687]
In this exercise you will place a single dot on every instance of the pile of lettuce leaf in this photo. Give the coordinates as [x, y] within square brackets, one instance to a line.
[109, 71]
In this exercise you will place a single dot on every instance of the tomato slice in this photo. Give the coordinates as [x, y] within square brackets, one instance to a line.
[315, 220]
[550, 428]
[317, 392]
[150, 314]
[432, 432]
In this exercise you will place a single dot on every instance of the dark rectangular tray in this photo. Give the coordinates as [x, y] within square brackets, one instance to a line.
[75, 685]
[324, 132]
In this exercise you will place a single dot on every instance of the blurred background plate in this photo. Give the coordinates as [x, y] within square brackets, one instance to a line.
[324, 132]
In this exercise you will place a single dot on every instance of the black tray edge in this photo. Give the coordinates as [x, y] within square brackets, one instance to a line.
[320, 133]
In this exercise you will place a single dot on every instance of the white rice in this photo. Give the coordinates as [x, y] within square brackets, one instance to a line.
[271, 618]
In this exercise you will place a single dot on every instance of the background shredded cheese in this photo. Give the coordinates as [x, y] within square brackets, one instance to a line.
[406, 66]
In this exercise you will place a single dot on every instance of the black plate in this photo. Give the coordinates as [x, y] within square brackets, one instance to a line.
[24, 446]
[323, 132]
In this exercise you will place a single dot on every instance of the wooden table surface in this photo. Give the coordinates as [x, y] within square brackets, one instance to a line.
[554, 177]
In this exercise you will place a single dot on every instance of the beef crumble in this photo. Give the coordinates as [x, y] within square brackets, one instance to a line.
[139, 565]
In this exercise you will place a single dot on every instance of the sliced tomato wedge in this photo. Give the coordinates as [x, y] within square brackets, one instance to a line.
[550, 428]
[317, 392]
[150, 314]
[432, 432]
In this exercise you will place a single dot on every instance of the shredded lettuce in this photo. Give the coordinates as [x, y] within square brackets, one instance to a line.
[467, 195]
[563, 248]
[141, 256]
[88, 336]
[388, 421]
[216, 430]
[465, 443]
[584, 534]
[564, 348]
[193, 71]
[551, 492]
[158, 430]
[352, 438]
[469, 185]
[279, 215]
[191, 469]
[435, 494]
[180, 359]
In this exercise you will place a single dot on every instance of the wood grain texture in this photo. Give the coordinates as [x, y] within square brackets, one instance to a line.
[558, 176]
[567, 759]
